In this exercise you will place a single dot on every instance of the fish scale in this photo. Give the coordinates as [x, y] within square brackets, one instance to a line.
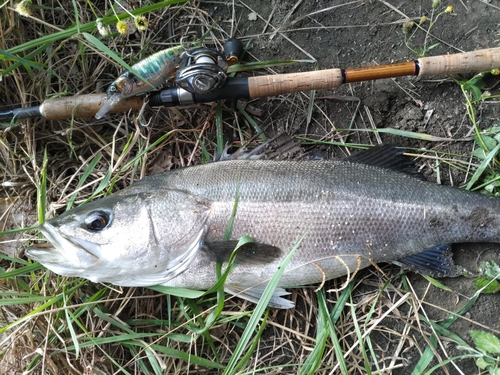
[169, 228]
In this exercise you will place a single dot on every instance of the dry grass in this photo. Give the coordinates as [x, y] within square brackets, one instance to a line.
[57, 325]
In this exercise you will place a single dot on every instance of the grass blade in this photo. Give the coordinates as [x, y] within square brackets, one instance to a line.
[330, 326]
[402, 133]
[219, 128]
[258, 311]
[42, 190]
[83, 178]
[253, 124]
[108, 52]
[70, 325]
[90, 26]
[480, 170]
[264, 64]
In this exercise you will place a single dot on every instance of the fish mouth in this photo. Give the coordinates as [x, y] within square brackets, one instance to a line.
[110, 102]
[64, 255]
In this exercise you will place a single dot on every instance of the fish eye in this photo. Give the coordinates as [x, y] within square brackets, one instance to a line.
[112, 88]
[97, 221]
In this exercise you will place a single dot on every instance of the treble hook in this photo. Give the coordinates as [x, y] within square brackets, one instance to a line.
[140, 115]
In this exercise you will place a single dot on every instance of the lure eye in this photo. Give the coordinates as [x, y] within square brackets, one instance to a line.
[97, 221]
[123, 85]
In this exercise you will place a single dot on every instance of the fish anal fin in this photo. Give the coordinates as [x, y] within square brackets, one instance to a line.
[435, 262]
[254, 294]
[388, 157]
[252, 253]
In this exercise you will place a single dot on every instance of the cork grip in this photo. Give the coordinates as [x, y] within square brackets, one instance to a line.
[272, 85]
[84, 106]
[467, 62]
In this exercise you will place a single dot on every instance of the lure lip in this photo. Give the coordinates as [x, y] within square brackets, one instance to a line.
[111, 101]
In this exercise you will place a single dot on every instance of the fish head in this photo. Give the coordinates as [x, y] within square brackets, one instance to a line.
[135, 238]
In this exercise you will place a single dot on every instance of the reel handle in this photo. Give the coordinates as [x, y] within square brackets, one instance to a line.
[233, 49]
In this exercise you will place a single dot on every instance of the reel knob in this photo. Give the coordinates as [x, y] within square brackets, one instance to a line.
[233, 49]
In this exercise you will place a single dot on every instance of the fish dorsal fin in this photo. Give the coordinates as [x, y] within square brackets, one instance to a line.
[388, 157]
[435, 262]
[254, 294]
[280, 147]
[248, 254]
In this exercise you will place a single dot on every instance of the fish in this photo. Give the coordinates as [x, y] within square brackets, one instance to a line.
[147, 75]
[170, 228]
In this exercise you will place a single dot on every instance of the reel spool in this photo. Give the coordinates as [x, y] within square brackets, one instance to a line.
[203, 70]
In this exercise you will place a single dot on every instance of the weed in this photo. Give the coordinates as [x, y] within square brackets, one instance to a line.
[408, 26]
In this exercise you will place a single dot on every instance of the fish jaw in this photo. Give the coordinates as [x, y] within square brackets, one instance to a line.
[62, 255]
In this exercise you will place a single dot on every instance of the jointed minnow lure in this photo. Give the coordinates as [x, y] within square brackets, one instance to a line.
[148, 74]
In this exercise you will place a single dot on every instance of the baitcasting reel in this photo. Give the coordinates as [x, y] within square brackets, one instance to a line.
[203, 70]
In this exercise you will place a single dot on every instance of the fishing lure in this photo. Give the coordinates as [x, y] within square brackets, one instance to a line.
[148, 74]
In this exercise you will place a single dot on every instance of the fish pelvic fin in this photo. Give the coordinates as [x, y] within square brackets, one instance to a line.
[435, 262]
[253, 294]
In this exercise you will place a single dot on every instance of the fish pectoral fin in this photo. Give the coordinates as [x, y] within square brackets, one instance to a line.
[435, 262]
[252, 253]
[253, 294]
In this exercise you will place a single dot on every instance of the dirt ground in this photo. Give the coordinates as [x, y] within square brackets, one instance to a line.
[343, 34]
[364, 33]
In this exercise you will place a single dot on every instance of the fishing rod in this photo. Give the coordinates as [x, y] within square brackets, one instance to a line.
[193, 90]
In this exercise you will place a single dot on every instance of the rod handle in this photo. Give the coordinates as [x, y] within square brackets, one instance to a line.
[278, 84]
[84, 106]
[467, 62]
[272, 85]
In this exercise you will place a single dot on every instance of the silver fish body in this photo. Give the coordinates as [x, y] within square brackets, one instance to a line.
[160, 229]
